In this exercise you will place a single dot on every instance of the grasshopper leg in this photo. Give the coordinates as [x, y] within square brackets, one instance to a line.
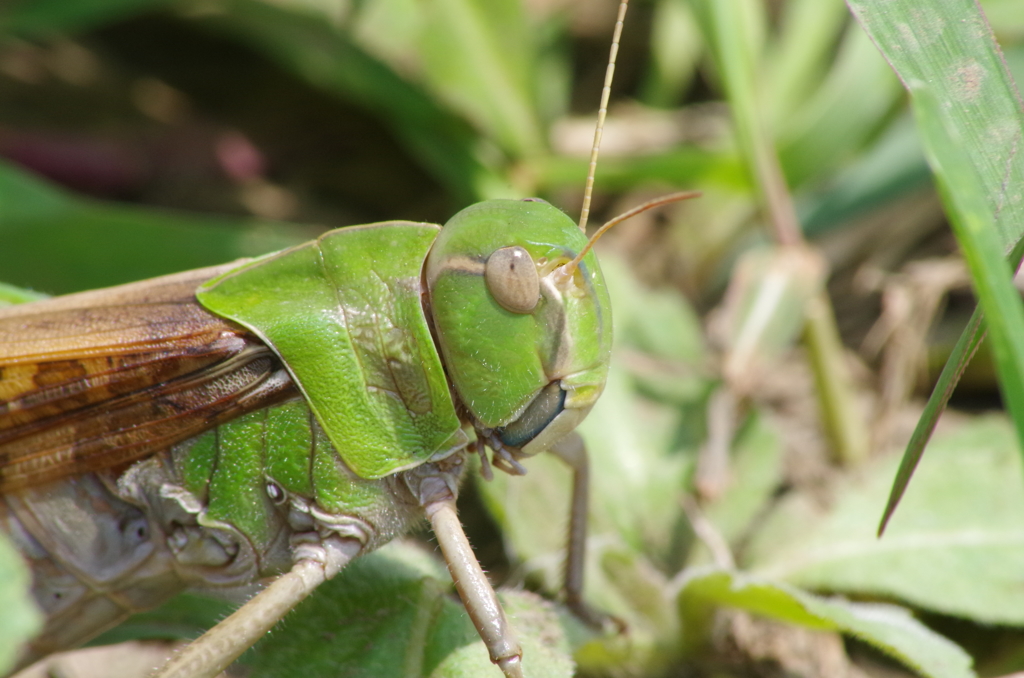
[214, 651]
[475, 590]
[573, 451]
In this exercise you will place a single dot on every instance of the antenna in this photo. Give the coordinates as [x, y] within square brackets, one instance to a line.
[602, 113]
[564, 272]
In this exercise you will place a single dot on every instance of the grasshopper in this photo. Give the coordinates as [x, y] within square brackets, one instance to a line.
[285, 415]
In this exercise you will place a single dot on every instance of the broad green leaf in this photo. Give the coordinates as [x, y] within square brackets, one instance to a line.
[890, 629]
[21, 618]
[955, 547]
[44, 17]
[187, 615]
[970, 119]
[57, 243]
[392, 613]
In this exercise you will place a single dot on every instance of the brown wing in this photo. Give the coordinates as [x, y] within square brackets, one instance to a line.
[102, 378]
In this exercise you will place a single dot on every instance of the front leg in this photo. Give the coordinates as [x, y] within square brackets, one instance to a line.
[436, 494]
[475, 590]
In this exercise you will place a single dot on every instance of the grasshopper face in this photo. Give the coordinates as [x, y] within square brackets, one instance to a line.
[526, 350]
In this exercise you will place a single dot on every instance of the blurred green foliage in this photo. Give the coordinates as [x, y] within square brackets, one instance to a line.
[189, 133]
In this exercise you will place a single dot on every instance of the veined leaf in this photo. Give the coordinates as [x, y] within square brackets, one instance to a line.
[956, 547]
[891, 629]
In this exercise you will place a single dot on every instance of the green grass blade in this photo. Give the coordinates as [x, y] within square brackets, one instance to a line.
[801, 53]
[676, 48]
[969, 114]
[480, 57]
[948, 48]
[964, 350]
[966, 346]
[327, 58]
[973, 223]
[10, 295]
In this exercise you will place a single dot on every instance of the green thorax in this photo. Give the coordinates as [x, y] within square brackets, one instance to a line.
[229, 469]
[345, 314]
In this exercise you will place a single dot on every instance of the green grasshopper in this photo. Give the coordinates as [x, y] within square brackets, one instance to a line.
[291, 413]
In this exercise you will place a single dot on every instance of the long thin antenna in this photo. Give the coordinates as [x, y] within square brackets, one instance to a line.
[606, 93]
[568, 269]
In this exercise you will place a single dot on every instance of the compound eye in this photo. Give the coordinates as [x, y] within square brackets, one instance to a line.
[512, 279]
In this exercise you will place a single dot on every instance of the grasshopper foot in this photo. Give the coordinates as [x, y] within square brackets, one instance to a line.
[599, 621]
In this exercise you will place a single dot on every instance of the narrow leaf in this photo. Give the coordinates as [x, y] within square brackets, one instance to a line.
[970, 116]
[327, 58]
[90, 243]
[10, 295]
[965, 348]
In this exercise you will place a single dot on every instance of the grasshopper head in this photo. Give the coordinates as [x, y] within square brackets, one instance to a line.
[526, 349]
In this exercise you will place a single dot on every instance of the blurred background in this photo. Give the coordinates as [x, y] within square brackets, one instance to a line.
[752, 424]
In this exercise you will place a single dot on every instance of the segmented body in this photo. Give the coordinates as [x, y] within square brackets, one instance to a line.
[95, 559]
[103, 546]
[218, 510]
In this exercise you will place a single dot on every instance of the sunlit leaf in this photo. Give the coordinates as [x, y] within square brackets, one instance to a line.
[889, 628]
[955, 547]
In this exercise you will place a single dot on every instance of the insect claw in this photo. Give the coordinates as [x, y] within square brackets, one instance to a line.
[504, 460]
[503, 457]
[485, 463]
[597, 620]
